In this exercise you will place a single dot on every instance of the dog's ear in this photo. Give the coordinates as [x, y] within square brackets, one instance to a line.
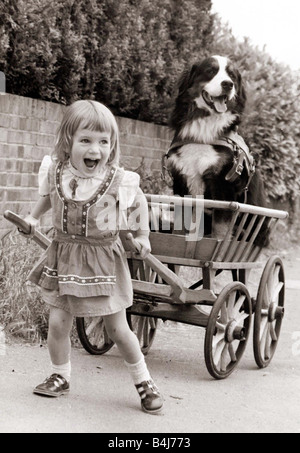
[187, 78]
[240, 88]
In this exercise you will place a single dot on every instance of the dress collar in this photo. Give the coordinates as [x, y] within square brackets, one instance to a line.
[78, 174]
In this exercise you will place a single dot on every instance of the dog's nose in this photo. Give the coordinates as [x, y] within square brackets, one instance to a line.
[227, 85]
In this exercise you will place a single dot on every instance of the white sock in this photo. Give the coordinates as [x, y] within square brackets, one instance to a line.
[138, 371]
[63, 370]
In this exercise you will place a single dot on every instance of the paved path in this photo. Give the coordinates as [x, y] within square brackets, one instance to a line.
[103, 399]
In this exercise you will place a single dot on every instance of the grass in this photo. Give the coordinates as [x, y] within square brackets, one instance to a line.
[22, 311]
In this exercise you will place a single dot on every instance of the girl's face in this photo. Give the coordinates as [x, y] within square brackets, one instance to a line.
[90, 151]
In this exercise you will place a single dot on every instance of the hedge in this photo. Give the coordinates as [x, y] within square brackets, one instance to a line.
[129, 54]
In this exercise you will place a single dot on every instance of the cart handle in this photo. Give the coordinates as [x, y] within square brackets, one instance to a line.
[26, 228]
[179, 293]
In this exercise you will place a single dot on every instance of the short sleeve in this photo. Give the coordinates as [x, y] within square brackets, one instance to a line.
[44, 188]
[128, 189]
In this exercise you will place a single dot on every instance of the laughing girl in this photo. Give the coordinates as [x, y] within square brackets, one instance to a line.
[85, 270]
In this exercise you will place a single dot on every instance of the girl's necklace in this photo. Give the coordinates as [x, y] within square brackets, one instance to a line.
[74, 182]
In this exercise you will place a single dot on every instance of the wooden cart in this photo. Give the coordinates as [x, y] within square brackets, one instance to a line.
[159, 292]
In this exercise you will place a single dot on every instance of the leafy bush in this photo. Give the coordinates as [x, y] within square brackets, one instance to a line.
[126, 53]
[129, 54]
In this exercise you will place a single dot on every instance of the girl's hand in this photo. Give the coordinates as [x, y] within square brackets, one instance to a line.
[145, 245]
[32, 222]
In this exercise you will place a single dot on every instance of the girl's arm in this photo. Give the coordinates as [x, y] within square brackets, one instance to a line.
[143, 231]
[42, 206]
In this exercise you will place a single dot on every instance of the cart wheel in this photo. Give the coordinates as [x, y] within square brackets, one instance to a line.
[227, 330]
[269, 311]
[145, 328]
[93, 335]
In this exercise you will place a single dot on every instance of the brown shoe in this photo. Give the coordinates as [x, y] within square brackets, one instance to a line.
[151, 399]
[54, 386]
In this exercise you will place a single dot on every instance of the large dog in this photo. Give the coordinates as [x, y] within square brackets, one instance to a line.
[207, 156]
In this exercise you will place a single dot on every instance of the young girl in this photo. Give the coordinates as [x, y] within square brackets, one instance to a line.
[85, 270]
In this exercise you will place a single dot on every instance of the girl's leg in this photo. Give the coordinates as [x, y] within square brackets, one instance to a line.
[60, 324]
[119, 331]
[59, 343]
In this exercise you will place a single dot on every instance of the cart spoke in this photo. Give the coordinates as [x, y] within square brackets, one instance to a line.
[152, 323]
[98, 337]
[224, 314]
[276, 291]
[146, 333]
[232, 353]
[106, 337]
[270, 286]
[266, 299]
[216, 339]
[231, 301]
[263, 327]
[272, 331]
[241, 317]
[267, 343]
[239, 305]
[219, 349]
[141, 324]
[93, 324]
[224, 358]
[220, 326]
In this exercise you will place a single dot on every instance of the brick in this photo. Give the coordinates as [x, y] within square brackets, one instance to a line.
[22, 194]
[3, 179]
[38, 109]
[36, 152]
[14, 180]
[130, 163]
[15, 137]
[7, 165]
[126, 126]
[23, 123]
[3, 134]
[49, 127]
[54, 112]
[141, 152]
[5, 103]
[45, 140]
[24, 106]
[4, 120]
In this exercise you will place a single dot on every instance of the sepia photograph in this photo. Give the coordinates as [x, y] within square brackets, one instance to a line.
[149, 219]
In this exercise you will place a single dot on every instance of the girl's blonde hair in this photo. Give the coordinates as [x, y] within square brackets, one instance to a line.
[86, 114]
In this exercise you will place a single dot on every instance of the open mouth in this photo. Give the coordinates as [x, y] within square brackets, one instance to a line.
[91, 164]
[219, 103]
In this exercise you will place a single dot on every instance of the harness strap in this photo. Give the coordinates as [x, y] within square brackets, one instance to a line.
[242, 158]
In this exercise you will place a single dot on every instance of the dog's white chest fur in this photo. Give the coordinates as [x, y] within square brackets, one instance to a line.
[193, 161]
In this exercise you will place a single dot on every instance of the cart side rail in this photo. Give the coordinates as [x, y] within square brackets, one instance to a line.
[215, 204]
[242, 241]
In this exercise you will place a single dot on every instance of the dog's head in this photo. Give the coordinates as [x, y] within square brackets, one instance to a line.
[212, 87]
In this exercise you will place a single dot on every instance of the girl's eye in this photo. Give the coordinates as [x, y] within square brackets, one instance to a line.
[104, 142]
[85, 140]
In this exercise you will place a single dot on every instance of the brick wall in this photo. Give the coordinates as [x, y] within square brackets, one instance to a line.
[27, 133]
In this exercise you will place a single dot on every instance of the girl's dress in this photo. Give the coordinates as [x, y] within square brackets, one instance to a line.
[85, 270]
